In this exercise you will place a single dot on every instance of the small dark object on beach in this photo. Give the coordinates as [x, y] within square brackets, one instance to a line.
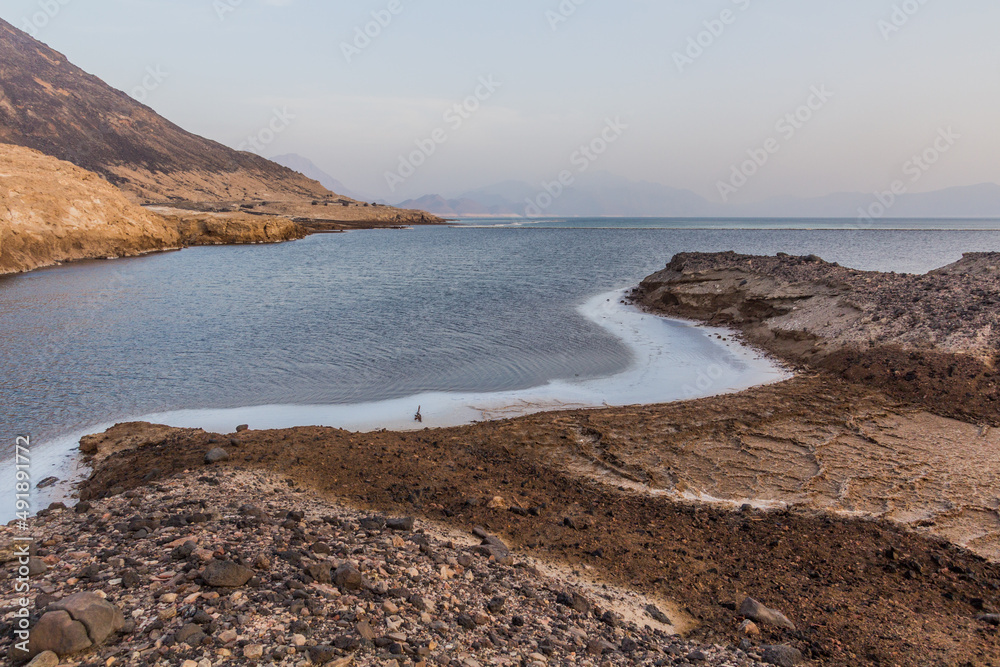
[418, 417]
[48, 481]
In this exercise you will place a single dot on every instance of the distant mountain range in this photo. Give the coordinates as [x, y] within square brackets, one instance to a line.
[590, 195]
[606, 195]
[307, 168]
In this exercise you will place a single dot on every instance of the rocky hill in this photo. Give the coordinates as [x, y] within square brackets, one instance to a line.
[240, 568]
[49, 104]
[52, 211]
[931, 337]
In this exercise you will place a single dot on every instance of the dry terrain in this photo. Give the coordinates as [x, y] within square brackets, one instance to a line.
[53, 211]
[863, 511]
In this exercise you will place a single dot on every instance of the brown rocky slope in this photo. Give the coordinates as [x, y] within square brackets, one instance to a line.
[53, 106]
[52, 211]
[49, 104]
[932, 339]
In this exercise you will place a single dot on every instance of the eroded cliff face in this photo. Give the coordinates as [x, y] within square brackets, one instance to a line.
[52, 211]
[932, 338]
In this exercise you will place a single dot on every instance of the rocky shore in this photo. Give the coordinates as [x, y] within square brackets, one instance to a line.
[837, 518]
[231, 567]
[930, 339]
[52, 211]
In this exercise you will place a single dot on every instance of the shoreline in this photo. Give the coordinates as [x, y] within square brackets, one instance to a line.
[841, 580]
[603, 490]
[709, 366]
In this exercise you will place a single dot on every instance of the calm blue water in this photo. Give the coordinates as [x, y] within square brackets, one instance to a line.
[356, 317]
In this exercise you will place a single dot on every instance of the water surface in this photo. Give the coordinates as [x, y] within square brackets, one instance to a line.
[359, 317]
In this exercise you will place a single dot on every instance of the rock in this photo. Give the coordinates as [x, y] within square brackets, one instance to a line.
[343, 662]
[697, 656]
[44, 659]
[574, 601]
[82, 507]
[47, 482]
[100, 618]
[215, 455]
[782, 656]
[498, 503]
[466, 621]
[755, 611]
[992, 619]
[36, 567]
[321, 572]
[657, 615]
[130, 578]
[404, 524]
[322, 654]
[190, 634]
[56, 631]
[242, 427]
[184, 550]
[348, 577]
[749, 628]
[253, 651]
[226, 574]
[495, 605]
[580, 522]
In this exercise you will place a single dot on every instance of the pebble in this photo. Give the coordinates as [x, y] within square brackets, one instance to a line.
[237, 585]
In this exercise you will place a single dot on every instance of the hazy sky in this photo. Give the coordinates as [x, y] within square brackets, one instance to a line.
[564, 69]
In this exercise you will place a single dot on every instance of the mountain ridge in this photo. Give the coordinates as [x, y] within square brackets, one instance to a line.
[50, 105]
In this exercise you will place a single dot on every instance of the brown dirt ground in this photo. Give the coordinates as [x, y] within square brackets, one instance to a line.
[860, 591]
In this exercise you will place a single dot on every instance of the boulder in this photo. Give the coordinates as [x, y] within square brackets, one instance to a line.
[755, 611]
[56, 631]
[190, 634]
[71, 625]
[782, 656]
[404, 524]
[226, 574]
[36, 567]
[348, 577]
[44, 659]
[100, 617]
[574, 601]
[657, 615]
[216, 455]
[320, 572]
